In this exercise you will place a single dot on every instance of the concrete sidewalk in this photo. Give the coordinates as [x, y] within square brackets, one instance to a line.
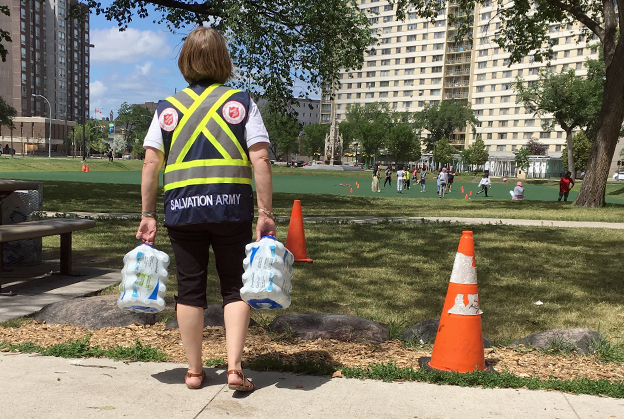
[41, 387]
[371, 219]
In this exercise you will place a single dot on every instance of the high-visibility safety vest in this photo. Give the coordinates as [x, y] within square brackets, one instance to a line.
[207, 175]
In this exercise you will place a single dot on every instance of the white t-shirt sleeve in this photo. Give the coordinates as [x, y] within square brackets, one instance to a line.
[255, 131]
[154, 138]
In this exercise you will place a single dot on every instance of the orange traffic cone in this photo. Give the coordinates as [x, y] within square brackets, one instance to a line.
[466, 197]
[462, 189]
[459, 342]
[351, 190]
[295, 241]
[357, 185]
[83, 168]
[470, 193]
[87, 168]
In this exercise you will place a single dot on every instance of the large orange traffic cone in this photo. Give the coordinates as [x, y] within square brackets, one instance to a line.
[462, 189]
[466, 197]
[87, 168]
[83, 168]
[459, 342]
[295, 241]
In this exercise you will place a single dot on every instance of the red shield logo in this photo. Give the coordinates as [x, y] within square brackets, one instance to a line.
[234, 112]
[168, 119]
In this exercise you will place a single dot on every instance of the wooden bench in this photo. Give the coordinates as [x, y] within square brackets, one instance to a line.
[49, 227]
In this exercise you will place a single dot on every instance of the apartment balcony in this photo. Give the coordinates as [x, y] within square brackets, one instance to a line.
[456, 95]
[456, 84]
[459, 60]
[457, 72]
[459, 49]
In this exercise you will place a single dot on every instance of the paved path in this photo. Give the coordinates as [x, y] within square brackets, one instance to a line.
[49, 388]
[371, 219]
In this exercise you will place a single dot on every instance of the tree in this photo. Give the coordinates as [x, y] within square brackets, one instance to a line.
[5, 36]
[95, 136]
[119, 145]
[401, 141]
[573, 101]
[524, 30]
[368, 124]
[522, 158]
[274, 44]
[476, 154]
[132, 119]
[7, 113]
[444, 151]
[283, 129]
[314, 139]
[535, 147]
[443, 119]
[582, 145]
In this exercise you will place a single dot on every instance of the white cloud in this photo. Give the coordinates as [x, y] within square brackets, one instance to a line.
[97, 88]
[129, 46]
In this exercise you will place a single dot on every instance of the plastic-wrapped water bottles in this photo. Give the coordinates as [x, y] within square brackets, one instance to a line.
[143, 280]
[268, 269]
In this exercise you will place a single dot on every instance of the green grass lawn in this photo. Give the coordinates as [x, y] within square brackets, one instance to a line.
[398, 273]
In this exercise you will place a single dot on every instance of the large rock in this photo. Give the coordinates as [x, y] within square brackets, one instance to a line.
[93, 313]
[330, 326]
[576, 340]
[425, 332]
[213, 316]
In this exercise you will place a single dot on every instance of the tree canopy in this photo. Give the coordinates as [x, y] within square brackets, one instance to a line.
[522, 158]
[273, 43]
[134, 120]
[444, 151]
[443, 118]
[7, 113]
[574, 102]
[535, 147]
[402, 142]
[314, 139]
[5, 36]
[283, 129]
[368, 124]
[582, 145]
[476, 154]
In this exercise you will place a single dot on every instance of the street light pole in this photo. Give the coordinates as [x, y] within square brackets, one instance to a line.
[50, 130]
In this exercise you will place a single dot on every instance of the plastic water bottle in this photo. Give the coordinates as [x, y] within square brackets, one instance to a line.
[143, 280]
[268, 269]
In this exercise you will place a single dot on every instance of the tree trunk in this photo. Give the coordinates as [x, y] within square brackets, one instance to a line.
[570, 144]
[592, 193]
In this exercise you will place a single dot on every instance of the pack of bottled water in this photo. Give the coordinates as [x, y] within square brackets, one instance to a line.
[268, 269]
[143, 280]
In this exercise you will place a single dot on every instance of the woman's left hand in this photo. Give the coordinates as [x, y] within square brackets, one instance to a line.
[147, 230]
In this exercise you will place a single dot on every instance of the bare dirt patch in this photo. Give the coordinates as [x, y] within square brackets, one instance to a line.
[524, 363]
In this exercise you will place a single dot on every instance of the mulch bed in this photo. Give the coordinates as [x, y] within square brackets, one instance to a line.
[522, 362]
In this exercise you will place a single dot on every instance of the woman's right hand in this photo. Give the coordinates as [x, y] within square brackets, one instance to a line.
[147, 230]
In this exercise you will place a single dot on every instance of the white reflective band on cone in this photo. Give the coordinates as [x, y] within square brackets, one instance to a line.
[472, 309]
[463, 271]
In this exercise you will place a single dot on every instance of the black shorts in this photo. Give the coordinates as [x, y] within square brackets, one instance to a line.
[190, 245]
[450, 181]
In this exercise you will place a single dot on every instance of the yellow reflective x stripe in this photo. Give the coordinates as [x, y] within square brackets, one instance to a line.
[202, 125]
[190, 111]
[226, 128]
[216, 143]
[191, 93]
[207, 181]
[175, 102]
[207, 162]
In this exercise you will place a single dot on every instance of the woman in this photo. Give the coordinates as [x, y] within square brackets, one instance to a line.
[442, 181]
[210, 136]
[388, 177]
[423, 177]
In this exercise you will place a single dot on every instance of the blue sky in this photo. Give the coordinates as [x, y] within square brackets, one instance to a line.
[137, 65]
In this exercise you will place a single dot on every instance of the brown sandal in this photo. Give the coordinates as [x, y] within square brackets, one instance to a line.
[189, 374]
[247, 385]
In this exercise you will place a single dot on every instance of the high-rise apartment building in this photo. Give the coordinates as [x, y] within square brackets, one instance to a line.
[46, 73]
[418, 62]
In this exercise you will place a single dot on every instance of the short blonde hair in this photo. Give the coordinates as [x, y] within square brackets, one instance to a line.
[205, 55]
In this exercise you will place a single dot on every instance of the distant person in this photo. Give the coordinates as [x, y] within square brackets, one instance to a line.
[485, 183]
[437, 178]
[518, 193]
[110, 155]
[451, 176]
[565, 184]
[388, 177]
[443, 180]
[400, 174]
[375, 184]
[423, 177]
[406, 178]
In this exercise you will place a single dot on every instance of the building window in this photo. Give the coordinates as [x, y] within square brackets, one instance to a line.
[558, 148]
[482, 64]
[407, 104]
[410, 60]
[436, 69]
[438, 35]
[544, 134]
[500, 147]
